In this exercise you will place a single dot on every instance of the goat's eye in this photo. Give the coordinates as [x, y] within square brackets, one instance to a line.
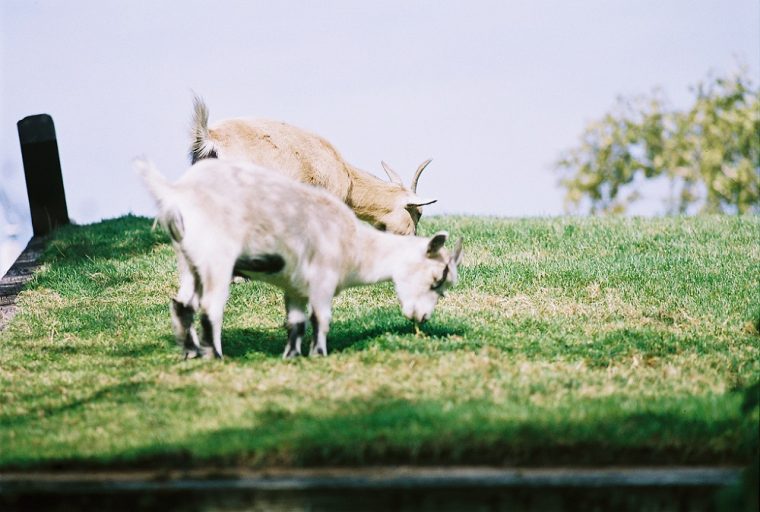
[381, 226]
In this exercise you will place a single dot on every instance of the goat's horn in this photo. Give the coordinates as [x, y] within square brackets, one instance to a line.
[392, 175]
[417, 174]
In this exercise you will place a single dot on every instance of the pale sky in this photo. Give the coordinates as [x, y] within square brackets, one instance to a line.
[492, 91]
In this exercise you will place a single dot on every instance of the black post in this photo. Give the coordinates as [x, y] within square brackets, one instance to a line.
[42, 168]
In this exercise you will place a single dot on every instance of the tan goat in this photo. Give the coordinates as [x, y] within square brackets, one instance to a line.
[308, 158]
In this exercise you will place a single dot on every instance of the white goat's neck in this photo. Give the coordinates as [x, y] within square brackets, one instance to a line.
[380, 255]
[370, 197]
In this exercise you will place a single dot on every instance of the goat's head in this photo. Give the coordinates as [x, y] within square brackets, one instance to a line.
[430, 272]
[405, 213]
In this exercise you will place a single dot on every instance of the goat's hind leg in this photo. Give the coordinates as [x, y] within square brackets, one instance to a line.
[183, 308]
[184, 332]
[215, 286]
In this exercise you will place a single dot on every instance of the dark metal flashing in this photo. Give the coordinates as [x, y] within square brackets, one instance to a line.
[370, 478]
[21, 272]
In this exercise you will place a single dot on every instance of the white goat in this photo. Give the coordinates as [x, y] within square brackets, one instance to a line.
[229, 218]
[311, 159]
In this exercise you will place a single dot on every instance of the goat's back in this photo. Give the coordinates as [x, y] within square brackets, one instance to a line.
[295, 152]
[253, 210]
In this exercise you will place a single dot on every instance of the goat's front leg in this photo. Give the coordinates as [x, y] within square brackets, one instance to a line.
[295, 323]
[320, 323]
[321, 305]
[320, 298]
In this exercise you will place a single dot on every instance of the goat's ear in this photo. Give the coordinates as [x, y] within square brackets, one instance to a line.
[456, 256]
[436, 243]
[415, 201]
[392, 175]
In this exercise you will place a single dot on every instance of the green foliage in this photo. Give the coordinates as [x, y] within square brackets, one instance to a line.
[567, 341]
[708, 154]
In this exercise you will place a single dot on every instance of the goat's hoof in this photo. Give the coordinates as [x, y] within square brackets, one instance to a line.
[318, 352]
[291, 354]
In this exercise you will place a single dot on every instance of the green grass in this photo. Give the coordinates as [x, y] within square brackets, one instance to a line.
[567, 341]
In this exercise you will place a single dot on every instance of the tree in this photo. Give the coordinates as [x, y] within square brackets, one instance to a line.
[709, 154]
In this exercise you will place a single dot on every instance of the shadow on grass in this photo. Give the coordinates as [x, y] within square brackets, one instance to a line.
[126, 392]
[239, 343]
[120, 350]
[136, 350]
[378, 430]
[355, 334]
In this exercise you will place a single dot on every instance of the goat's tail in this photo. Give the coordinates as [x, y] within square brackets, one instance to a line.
[169, 216]
[202, 146]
